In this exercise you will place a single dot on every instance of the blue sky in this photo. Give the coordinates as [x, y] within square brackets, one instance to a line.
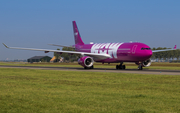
[36, 23]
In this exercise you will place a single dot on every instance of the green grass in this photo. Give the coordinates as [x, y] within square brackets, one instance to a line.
[28, 90]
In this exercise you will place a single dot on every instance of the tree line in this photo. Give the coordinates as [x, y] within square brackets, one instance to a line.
[166, 55]
[66, 56]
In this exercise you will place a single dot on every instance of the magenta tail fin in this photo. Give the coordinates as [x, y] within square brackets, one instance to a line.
[77, 36]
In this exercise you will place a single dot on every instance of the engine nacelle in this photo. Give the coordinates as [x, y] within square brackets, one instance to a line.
[145, 63]
[86, 61]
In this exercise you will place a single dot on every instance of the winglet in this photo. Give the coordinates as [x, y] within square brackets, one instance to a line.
[175, 47]
[5, 45]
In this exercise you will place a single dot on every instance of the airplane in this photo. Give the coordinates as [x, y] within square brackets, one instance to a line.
[136, 52]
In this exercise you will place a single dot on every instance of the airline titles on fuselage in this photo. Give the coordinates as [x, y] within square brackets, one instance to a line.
[106, 48]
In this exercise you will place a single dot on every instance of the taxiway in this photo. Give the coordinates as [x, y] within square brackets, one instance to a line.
[108, 70]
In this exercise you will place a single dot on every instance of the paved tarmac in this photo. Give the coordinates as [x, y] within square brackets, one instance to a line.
[108, 70]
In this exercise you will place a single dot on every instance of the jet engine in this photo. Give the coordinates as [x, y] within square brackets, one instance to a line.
[86, 62]
[145, 63]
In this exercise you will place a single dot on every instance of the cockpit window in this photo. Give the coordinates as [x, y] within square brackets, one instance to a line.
[145, 48]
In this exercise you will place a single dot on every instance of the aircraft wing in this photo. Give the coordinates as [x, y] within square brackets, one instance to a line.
[154, 51]
[94, 55]
[61, 45]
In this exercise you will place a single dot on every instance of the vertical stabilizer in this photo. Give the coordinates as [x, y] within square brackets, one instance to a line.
[77, 36]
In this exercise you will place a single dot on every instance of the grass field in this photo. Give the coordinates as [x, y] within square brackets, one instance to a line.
[28, 90]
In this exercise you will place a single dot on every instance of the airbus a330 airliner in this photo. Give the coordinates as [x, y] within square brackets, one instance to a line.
[136, 52]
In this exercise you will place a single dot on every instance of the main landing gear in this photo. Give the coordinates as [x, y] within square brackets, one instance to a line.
[121, 66]
[92, 67]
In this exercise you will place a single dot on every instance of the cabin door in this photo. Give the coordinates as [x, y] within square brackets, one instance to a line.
[134, 49]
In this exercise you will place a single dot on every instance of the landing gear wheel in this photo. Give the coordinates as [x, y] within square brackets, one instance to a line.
[120, 66]
[117, 66]
[85, 67]
[92, 67]
[140, 67]
[123, 67]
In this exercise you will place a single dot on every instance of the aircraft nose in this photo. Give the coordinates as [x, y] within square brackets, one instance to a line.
[148, 54]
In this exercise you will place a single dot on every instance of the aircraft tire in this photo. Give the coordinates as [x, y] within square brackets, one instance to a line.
[123, 67]
[92, 67]
[117, 66]
[85, 67]
[140, 67]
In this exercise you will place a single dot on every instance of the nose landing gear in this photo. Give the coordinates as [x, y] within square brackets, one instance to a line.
[140, 67]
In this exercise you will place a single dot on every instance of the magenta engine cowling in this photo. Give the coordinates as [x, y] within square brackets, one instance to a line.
[86, 61]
